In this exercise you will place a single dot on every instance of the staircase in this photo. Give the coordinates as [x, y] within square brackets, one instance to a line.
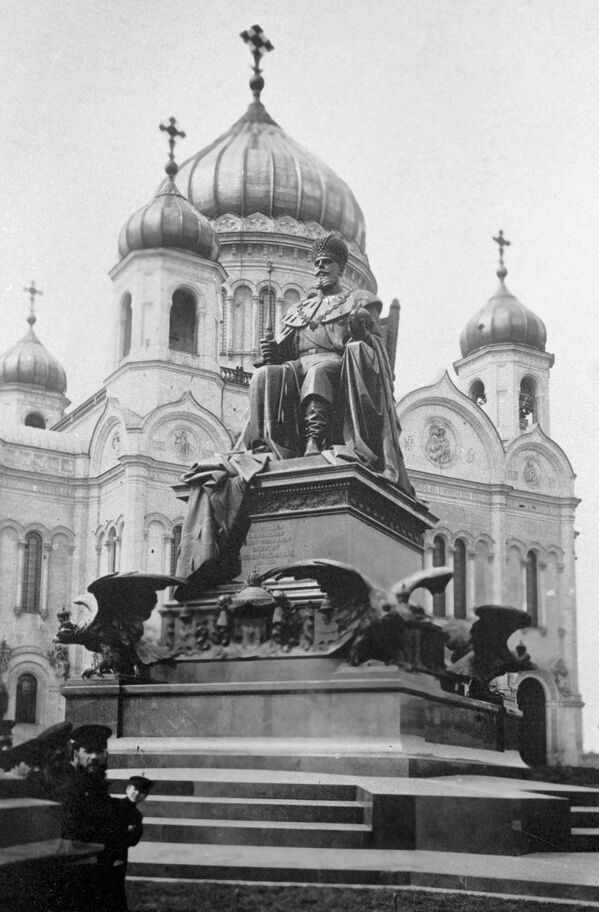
[584, 814]
[192, 810]
[267, 816]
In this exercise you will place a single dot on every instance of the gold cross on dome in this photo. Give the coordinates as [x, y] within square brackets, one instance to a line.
[173, 133]
[33, 292]
[259, 43]
[502, 242]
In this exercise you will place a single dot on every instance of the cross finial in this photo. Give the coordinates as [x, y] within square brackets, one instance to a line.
[502, 242]
[32, 291]
[172, 130]
[259, 46]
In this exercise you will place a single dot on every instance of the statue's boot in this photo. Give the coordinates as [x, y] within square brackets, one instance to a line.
[316, 421]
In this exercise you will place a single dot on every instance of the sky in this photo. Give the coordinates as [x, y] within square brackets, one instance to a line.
[449, 119]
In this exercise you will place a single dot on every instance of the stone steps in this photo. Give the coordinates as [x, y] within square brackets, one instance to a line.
[240, 788]
[187, 866]
[256, 832]
[246, 808]
[585, 839]
[280, 809]
[585, 816]
[28, 820]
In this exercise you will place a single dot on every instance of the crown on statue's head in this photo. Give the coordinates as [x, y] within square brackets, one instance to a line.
[333, 246]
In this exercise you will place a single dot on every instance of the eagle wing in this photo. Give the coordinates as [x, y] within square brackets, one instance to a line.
[434, 579]
[125, 601]
[339, 581]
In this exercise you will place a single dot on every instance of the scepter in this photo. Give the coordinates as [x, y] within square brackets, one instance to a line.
[268, 328]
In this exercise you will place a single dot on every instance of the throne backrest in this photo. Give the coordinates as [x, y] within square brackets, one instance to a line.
[390, 328]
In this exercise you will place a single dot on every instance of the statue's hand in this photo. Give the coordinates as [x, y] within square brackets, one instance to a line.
[269, 351]
[359, 324]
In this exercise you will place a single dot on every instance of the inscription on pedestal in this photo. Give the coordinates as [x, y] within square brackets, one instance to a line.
[268, 545]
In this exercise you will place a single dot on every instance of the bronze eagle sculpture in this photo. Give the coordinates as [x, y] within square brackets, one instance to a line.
[125, 601]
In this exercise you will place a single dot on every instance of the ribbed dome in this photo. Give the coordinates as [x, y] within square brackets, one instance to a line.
[169, 220]
[256, 168]
[503, 319]
[30, 362]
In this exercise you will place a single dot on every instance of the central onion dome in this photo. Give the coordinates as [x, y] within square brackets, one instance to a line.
[503, 319]
[29, 362]
[256, 168]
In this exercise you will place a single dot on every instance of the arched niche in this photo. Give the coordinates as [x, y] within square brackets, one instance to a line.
[527, 402]
[35, 420]
[477, 392]
[182, 329]
[126, 324]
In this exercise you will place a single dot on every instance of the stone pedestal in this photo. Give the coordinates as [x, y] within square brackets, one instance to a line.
[312, 698]
[309, 508]
[306, 508]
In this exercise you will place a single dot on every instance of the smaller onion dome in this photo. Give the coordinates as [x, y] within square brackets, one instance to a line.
[169, 220]
[31, 363]
[503, 319]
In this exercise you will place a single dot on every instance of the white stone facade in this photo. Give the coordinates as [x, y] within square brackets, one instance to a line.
[506, 523]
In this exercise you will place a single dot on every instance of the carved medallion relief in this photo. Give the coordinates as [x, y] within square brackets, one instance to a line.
[439, 442]
[179, 442]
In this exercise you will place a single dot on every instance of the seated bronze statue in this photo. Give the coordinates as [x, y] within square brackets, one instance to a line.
[327, 380]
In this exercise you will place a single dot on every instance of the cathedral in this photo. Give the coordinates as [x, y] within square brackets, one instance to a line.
[204, 268]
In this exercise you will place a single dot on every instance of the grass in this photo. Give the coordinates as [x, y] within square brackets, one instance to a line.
[246, 897]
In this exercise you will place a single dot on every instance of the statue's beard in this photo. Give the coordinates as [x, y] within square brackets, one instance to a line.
[325, 282]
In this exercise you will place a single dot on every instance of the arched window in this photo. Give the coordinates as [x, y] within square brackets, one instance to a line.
[532, 587]
[26, 707]
[111, 551]
[175, 544]
[241, 319]
[182, 322]
[477, 392]
[126, 322]
[32, 572]
[34, 419]
[439, 561]
[527, 402]
[459, 579]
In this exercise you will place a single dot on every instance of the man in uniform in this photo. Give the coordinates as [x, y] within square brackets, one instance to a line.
[89, 814]
[327, 381]
[137, 790]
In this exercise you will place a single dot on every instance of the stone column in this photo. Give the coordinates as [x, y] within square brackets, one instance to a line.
[470, 582]
[20, 565]
[541, 594]
[46, 548]
[523, 563]
[228, 318]
[449, 556]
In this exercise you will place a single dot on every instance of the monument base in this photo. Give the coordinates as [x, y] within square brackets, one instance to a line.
[301, 698]
[314, 508]
[308, 508]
